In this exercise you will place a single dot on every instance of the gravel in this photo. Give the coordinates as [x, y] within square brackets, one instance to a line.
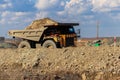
[73, 63]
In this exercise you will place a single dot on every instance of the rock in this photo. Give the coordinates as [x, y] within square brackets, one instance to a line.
[99, 76]
[83, 53]
[83, 76]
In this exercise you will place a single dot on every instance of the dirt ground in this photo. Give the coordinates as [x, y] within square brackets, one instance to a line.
[73, 63]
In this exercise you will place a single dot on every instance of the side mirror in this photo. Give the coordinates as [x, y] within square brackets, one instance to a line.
[78, 32]
[2, 39]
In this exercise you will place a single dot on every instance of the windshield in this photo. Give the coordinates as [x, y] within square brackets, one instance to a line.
[59, 30]
[66, 30]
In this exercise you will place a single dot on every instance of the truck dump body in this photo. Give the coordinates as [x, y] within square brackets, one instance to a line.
[33, 35]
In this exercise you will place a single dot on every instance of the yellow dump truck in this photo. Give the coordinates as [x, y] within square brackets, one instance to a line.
[47, 33]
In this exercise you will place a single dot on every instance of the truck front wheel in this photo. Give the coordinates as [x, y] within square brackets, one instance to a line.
[24, 44]
[49, 44]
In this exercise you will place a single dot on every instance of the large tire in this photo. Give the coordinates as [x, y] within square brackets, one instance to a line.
[24, 44]
[49, 44]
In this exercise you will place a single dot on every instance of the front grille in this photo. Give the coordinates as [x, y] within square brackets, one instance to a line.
[69, 41]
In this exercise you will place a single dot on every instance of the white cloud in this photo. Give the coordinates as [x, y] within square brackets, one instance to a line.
[115, 17]
[13, 14]
[89, 17]
[45, 4]
[4, 14]
[62, 3]
[105, 5]
[74, 7]
[7, 4]
[2, 21]
[40, 15]
[20, 14]
[8, 17]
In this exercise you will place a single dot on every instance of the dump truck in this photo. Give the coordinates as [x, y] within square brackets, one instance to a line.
[46, 33]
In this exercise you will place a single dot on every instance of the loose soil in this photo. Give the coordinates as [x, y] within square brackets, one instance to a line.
[73, 63]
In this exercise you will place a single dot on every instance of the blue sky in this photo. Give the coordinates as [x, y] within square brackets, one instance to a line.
[17, 14]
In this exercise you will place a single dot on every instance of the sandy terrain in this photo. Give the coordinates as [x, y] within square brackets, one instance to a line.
[73, 63]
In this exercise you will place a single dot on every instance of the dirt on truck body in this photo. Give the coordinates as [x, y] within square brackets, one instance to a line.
[47, 33]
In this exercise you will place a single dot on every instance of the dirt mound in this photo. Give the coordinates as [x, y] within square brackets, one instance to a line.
[80, 63]
[38, 24]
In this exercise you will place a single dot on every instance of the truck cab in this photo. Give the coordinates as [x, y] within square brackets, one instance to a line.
[62, 36]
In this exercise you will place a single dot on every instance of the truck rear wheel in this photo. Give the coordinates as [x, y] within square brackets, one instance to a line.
[24, 44]
[49, 44]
